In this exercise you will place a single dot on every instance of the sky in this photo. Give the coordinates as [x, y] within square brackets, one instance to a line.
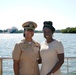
[15, 12]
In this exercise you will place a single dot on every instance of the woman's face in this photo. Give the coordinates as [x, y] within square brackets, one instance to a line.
[47, 33]
[29, 33]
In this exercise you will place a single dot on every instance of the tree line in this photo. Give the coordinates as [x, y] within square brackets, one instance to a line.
[15, 30]
[69, 30]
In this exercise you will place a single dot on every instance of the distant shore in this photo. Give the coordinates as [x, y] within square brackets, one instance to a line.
[15, 30]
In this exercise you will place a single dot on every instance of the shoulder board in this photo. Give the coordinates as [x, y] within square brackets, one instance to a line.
[37, 44]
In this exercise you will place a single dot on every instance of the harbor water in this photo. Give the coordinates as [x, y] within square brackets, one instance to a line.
[8, 41]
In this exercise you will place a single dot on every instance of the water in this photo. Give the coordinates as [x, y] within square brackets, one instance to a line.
[7, 42]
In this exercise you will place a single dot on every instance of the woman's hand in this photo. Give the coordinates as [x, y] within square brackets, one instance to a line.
[49, 73]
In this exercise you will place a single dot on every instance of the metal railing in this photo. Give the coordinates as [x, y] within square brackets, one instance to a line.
[1, 59]
[67, 61]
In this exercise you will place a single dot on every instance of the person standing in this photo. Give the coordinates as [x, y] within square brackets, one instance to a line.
[26, 53]
[52, 51]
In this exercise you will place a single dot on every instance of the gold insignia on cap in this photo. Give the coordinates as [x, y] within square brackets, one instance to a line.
[31, 25]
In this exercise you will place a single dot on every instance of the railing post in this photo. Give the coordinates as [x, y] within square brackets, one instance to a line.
[67, 67]
[0, 66]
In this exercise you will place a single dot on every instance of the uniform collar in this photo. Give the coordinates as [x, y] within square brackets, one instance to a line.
[33, 42]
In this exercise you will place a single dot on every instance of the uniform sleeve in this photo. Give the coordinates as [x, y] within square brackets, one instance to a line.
[60, 48]
[16, 52]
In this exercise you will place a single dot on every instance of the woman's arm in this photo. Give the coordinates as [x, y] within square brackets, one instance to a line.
[16, 67]
[39, 59]
[58, 64]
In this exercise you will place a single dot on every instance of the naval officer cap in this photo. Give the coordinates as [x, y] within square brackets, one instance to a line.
[29, 25]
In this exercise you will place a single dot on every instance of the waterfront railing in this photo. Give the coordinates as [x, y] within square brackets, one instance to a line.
[68, 68]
